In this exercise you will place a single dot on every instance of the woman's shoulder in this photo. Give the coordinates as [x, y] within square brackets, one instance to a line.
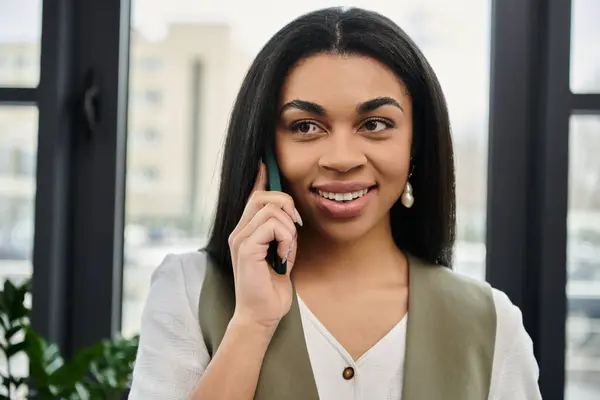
[515, 371]
[172, 354]
[182, 274]
[509, 319]
[191, 264]
[505, 308]
[508, 315]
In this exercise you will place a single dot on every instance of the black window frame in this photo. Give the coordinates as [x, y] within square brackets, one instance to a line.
[530, 106]
[80, 174]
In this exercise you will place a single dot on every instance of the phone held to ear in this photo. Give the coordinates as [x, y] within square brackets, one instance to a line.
[274, 182]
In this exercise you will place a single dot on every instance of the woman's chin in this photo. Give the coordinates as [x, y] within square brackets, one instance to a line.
[344, 232]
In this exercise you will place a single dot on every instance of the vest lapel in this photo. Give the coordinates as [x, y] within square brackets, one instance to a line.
[286, 372]
[450, 336]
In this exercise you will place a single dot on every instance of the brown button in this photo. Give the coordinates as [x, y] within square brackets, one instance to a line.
[348, 373]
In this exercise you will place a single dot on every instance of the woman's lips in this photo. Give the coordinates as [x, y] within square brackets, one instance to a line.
[343, 209]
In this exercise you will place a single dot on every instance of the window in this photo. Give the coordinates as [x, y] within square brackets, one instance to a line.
[153, 97]
[147, 98]
[17, 192]
[583, 260]
[5, 161]
[21, 62]
[20, 29]
[147, 64]
[585, 55]
[144, 175]
[146, 136]
[25, 163]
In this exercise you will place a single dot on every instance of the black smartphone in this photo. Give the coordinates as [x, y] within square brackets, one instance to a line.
[274, 184]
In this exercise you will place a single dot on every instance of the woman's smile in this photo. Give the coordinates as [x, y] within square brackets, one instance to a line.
[343, 199]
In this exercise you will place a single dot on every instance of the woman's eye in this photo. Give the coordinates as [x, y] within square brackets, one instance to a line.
[375, 125]
[306, 128]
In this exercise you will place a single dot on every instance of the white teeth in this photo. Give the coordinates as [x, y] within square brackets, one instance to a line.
[343, 196]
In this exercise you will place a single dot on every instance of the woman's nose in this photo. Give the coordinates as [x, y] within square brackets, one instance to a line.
[342, 153]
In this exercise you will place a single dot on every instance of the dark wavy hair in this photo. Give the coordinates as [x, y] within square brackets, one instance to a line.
[427, 230]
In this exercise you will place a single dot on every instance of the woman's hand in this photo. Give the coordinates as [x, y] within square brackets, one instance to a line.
[263, 297]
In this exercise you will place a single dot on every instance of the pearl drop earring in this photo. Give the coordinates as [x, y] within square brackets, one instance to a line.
[407, 197]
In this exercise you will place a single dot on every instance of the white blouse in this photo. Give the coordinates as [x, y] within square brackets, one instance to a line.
[172, 355]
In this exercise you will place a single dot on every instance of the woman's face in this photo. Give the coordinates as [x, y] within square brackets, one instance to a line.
[343, 142]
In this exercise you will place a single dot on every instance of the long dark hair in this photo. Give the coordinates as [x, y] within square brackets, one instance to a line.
[427, 230]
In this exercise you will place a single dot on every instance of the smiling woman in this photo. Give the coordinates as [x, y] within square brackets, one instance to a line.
[367, 308]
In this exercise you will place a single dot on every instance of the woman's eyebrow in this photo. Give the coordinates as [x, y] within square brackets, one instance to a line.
[374, 104]
[304, 105]
[363, 108]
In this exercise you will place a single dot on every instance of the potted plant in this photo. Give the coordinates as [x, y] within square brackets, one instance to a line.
[101, 371]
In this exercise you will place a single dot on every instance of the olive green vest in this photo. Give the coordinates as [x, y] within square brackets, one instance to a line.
[450, 338]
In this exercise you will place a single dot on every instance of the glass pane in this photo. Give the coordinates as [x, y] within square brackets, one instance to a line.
[585, 52]
[20, 32]
[187, 61]
[18, 152]
[583, 255]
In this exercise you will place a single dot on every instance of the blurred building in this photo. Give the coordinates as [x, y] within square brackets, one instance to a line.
[182, 88]
[181, 92]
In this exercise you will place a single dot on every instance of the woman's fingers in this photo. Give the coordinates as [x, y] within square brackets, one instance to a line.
[263, 206]
[256, 244]
[263, 215]
[260, 196]
[258, 201]
[261, 179]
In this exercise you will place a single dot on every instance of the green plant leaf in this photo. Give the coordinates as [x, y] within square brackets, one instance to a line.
[100, 371]
[10, 297]
[27, 285]
[3, 322]
[20, 381]
[2, 303]
[15, 381]
[74, 370]
[13, 349]
[82, 392]
[52, 359]
[19, 311]
[9, 333]
[9, 290]
[37, 364]
[14, 298]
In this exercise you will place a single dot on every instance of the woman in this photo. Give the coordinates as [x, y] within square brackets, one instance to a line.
[367, 308]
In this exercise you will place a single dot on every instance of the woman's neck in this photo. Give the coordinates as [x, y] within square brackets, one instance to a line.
[372, 258]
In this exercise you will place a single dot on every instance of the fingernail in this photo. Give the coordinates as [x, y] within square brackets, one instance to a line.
[298, 218]
[287, 254]
[289, 250]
